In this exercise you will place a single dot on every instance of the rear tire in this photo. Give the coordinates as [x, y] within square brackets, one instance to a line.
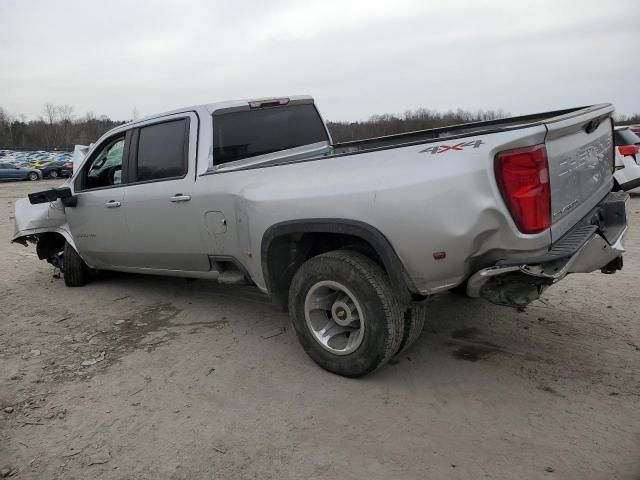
[53, 174]
[413, 325]
[76, 272]
[326, 286]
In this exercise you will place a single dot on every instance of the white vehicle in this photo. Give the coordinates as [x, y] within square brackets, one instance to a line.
[627, 148]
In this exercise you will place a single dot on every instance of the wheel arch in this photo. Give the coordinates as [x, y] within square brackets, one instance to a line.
[286, 245]
[47, 240]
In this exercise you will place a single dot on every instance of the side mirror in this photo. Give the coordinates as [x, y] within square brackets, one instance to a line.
[65, 194]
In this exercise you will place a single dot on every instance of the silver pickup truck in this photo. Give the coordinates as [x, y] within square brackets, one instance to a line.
[351, 238]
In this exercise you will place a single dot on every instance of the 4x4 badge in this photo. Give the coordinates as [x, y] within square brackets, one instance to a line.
[458, 146]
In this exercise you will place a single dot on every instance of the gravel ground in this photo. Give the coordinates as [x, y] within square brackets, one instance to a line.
[192, 379]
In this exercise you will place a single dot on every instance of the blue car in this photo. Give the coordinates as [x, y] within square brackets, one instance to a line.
[9, 171]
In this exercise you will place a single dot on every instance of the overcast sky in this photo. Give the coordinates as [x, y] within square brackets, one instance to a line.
[357, 58]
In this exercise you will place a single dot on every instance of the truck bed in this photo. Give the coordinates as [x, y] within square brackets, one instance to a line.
[452, 131]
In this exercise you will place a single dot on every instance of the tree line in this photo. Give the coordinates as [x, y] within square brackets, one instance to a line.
[422, 119]
[57, 128]
[411, 120]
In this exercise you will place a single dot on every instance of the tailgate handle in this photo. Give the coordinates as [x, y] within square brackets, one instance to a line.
[592, 126]
[178, 197]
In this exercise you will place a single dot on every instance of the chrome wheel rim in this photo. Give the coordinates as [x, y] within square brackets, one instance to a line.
[33, 176]
[334, 317]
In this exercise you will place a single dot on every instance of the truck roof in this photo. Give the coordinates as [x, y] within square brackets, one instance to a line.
[225, 105]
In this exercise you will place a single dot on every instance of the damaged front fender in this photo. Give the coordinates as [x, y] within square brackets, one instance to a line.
[32, 221]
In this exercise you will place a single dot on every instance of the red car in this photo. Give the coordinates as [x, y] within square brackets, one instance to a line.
[67, 169]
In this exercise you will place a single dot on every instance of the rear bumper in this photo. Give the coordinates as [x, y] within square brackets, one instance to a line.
[630, 185]
[595, 243]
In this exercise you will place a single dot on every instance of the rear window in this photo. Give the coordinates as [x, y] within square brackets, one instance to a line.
[162, 151]
[250, 133]
[626, 137]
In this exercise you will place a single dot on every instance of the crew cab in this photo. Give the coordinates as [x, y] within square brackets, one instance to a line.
[351, 238]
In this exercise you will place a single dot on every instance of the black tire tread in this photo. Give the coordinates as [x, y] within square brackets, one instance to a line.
[414, 319]
[76, 272]
[378, 280]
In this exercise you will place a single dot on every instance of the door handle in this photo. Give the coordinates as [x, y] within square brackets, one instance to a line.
[178, 197]
[112, 204]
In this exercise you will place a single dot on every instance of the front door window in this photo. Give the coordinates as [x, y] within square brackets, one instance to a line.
[105, 169]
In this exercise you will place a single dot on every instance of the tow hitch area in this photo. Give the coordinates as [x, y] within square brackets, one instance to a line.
[593, 244]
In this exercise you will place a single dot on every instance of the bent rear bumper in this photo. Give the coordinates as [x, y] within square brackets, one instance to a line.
[594, 243]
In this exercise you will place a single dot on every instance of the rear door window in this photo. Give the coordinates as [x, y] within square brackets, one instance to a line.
[249, 133]
[162, 150]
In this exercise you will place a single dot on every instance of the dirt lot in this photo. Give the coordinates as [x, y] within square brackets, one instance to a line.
[191, 379]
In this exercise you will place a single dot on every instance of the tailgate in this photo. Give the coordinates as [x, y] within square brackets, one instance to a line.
[580, 153]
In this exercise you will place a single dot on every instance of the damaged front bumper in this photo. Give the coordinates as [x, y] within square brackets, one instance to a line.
[595, 243]
[32, 220]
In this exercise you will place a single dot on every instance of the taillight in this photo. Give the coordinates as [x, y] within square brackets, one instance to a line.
[628, 149]
[523, 178]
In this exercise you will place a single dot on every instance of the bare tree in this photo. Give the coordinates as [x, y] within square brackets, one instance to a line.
[50, 113]
[65, 117]
[50, 117]
[57, 127]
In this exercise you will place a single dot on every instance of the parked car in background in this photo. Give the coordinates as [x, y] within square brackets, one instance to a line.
[55, 169]
[39, 163]
[13, 172]
[67, 168]
[627, 169]
[635, 129]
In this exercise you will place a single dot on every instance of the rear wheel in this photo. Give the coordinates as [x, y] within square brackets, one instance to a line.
[414, 318]
[53, 174]
[33, 176]
[76, 272]
[345, 314]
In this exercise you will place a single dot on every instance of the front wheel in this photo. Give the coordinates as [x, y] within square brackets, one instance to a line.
[33, 176]
[345, 314]
[76, 272]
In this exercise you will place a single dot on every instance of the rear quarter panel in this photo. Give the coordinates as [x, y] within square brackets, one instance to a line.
[422, 203]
